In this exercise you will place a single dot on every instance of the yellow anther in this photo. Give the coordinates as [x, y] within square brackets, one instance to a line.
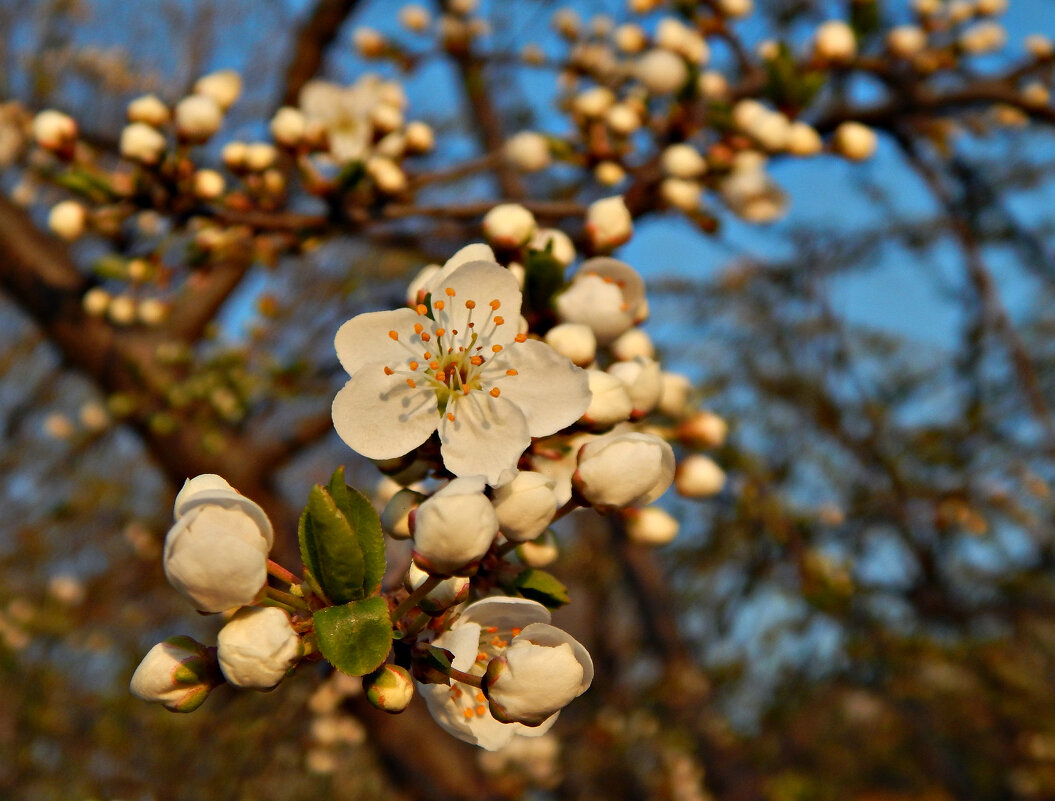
[476, 360]
[449, 292]
[511, 371]
[441, 376]
[393, 335]
[521, 337]
[438, 305]
[495, 392]
[434, 365]
[441, 331]
[418, 328]
[422, 309]
[495, 304]
[496, 348]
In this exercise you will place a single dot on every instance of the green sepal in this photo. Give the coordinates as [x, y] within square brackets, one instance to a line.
[355, 637]
[366, 525]
[330, 549]
[543, 279]
[538, 585]
[427, 303]
[431, 666]
[351, 174]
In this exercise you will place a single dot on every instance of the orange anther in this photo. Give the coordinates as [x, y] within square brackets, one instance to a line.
[422, 309]
[438, 305]
[495, 304]
[470, 304]
[496, 348]
[491, 629]
[515, 631]
[495, 392]
[481, 710]
[413, 365]
[450, 416]
[441, 376]
[521, 337]
[480, 697]
[481, 657]
[418, 328]
[434, 365]
[426, 355]
[468, 713]
[393, 335]
[499, 320]
[411, 384]
[441, 331]
[449, 292]
[476, 360]
[511, 371]
[465, 390]
[425, 337]
[388, 371]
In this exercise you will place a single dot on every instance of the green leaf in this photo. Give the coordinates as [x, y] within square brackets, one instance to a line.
[355, 637]
[366, 525]
[543, 278]
[538, 585]
[331, 549]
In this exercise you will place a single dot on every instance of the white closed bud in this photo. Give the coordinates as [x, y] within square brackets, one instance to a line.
[390, 688]
[208, 184]
[556, 242]
[369, 43]
[608, 223]
[641, 376]
[834, 41]
[454, 528]
[624, 469]
[752, 195]
[703, 429]
[386, 175]
[525, 504]
[605, 294]
[149, 110]
[736, 8]
[386, 117]
[152, 311]
[1039, 46]
[96, 301]
[803, 139]
[567, 23]
[198, 117]
[661, 71]
[392, 146]
[177, 673]
[415, 18]
[960, 10]
[419, 137]
[699, 476]
[260, 156]
[609, 173]
[539, 552]
[216, 553]
[463, 7]
[680, 194]
[223, 86]
[593, 102]
[574, 340]
[674, 35]
[990, 7]
[651, 526]
[395, 519]
[122, 310]
[983, 37]
[54, 130]
[630, 38]
[926, 8]
[141, 142]
[418, 287]
[289, 126]
[257, 647]
[1035, 95]
[233, 155]
[622, 119]
[509, 225]
[609, 400]
[682, 160]
[541, 672]
[68, 219]
[632, 344]
[528, 151]
[906, 41]
[712, 85]
[443, 596]
[855, 141]
[674, 394]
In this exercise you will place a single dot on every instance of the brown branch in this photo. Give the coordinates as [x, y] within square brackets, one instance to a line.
[313, 40]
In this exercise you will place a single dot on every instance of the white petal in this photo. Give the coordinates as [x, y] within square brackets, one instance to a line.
[477, 251]
[503, 613]
[542, 634]
[551, 392]
[481, 282]
[365, 339]
[380, 416]
[462, 641]
[488, 435]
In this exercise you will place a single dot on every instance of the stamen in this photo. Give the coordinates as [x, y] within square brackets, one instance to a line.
[411, 384]
[491, 629]
[499, 320]
[426, 355]
[511, 371]
[418, 328]
[495, 304]
[413, 365]
[468, 713]
[449, 292]
[441, 331]
[425, 337]
[515, 630]
[481, 657]
[495, 392]
[480, 698]
[393, 335]
[438, 305]
[441, 376]
[496, 348]
[450, 416]
[521, 337]
[434, 365]
[389, 370]
[470, 304]
[476, 360]
[481, 710]
[422, 309]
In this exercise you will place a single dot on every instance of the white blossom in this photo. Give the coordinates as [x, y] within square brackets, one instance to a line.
[198, 117]
[609, 400]
[605, 294]
[257, 647]
[624, 469]
[524, 504]
[223, 86]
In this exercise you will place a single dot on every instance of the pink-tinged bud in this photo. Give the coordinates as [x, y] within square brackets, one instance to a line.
[143, 143]
[698, 476]
[257, 647]
[703, 430]
[624, 469]
[524, 504]
[608, 223]
[177, 673]
[454, 528]
[54, 130]
[390, 688]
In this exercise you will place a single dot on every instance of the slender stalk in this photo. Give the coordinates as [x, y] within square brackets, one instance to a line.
[408, 603]
[465, 678]
[420, 622]
[281, 573]
[268, 601]
[287, 598]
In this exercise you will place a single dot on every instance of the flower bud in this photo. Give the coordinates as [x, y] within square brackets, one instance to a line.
[178, 673]
[198, 117]
[557, 242]
[609, 173]
[713, 85]
[216, 553]
[983, 37]
[539, 552]
[803, 139]
[680, 194]
[369, 43]
[650, 526]
[122, 310]
[525, 505]
[674, 394]
[683, 161]
[415, 18]
[735, 8]
[223, 86]
[574, 340]
[257, 647]
[389, 688]
[419, 137]
[594, 102]
[149, 110]
[609, 400]
[386, 175]
[447, 593]
[855, 141]
[624, 469]
[395, 520]
[509, 225]
[528, 151]
[698, 476]
[68, 219]
[140, 142]
[1039, 46]
[54, 130]
[454, 527]
[606, 295]
[386, 117]
[674, 35]
[152, 311]
[208, 184]
[661, 72]
[630, 38]
[906, 41]
[288, 126]
[540, 673]
[95, 301]
[752, 195]
[641, 377]
[608, 223]
[703, 430]
[834, 41]
[622, 119]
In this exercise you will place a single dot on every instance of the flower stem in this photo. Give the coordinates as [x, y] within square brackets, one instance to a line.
[408, 603]
[267, 601]
[279, 572]
[420, 622]
[287, 598]
[465, 678]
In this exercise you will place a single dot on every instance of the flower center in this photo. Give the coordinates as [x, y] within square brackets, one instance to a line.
[453, 361]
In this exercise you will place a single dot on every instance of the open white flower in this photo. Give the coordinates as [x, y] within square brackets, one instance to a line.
[458, 366]
[487, 629]
[347, 113]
